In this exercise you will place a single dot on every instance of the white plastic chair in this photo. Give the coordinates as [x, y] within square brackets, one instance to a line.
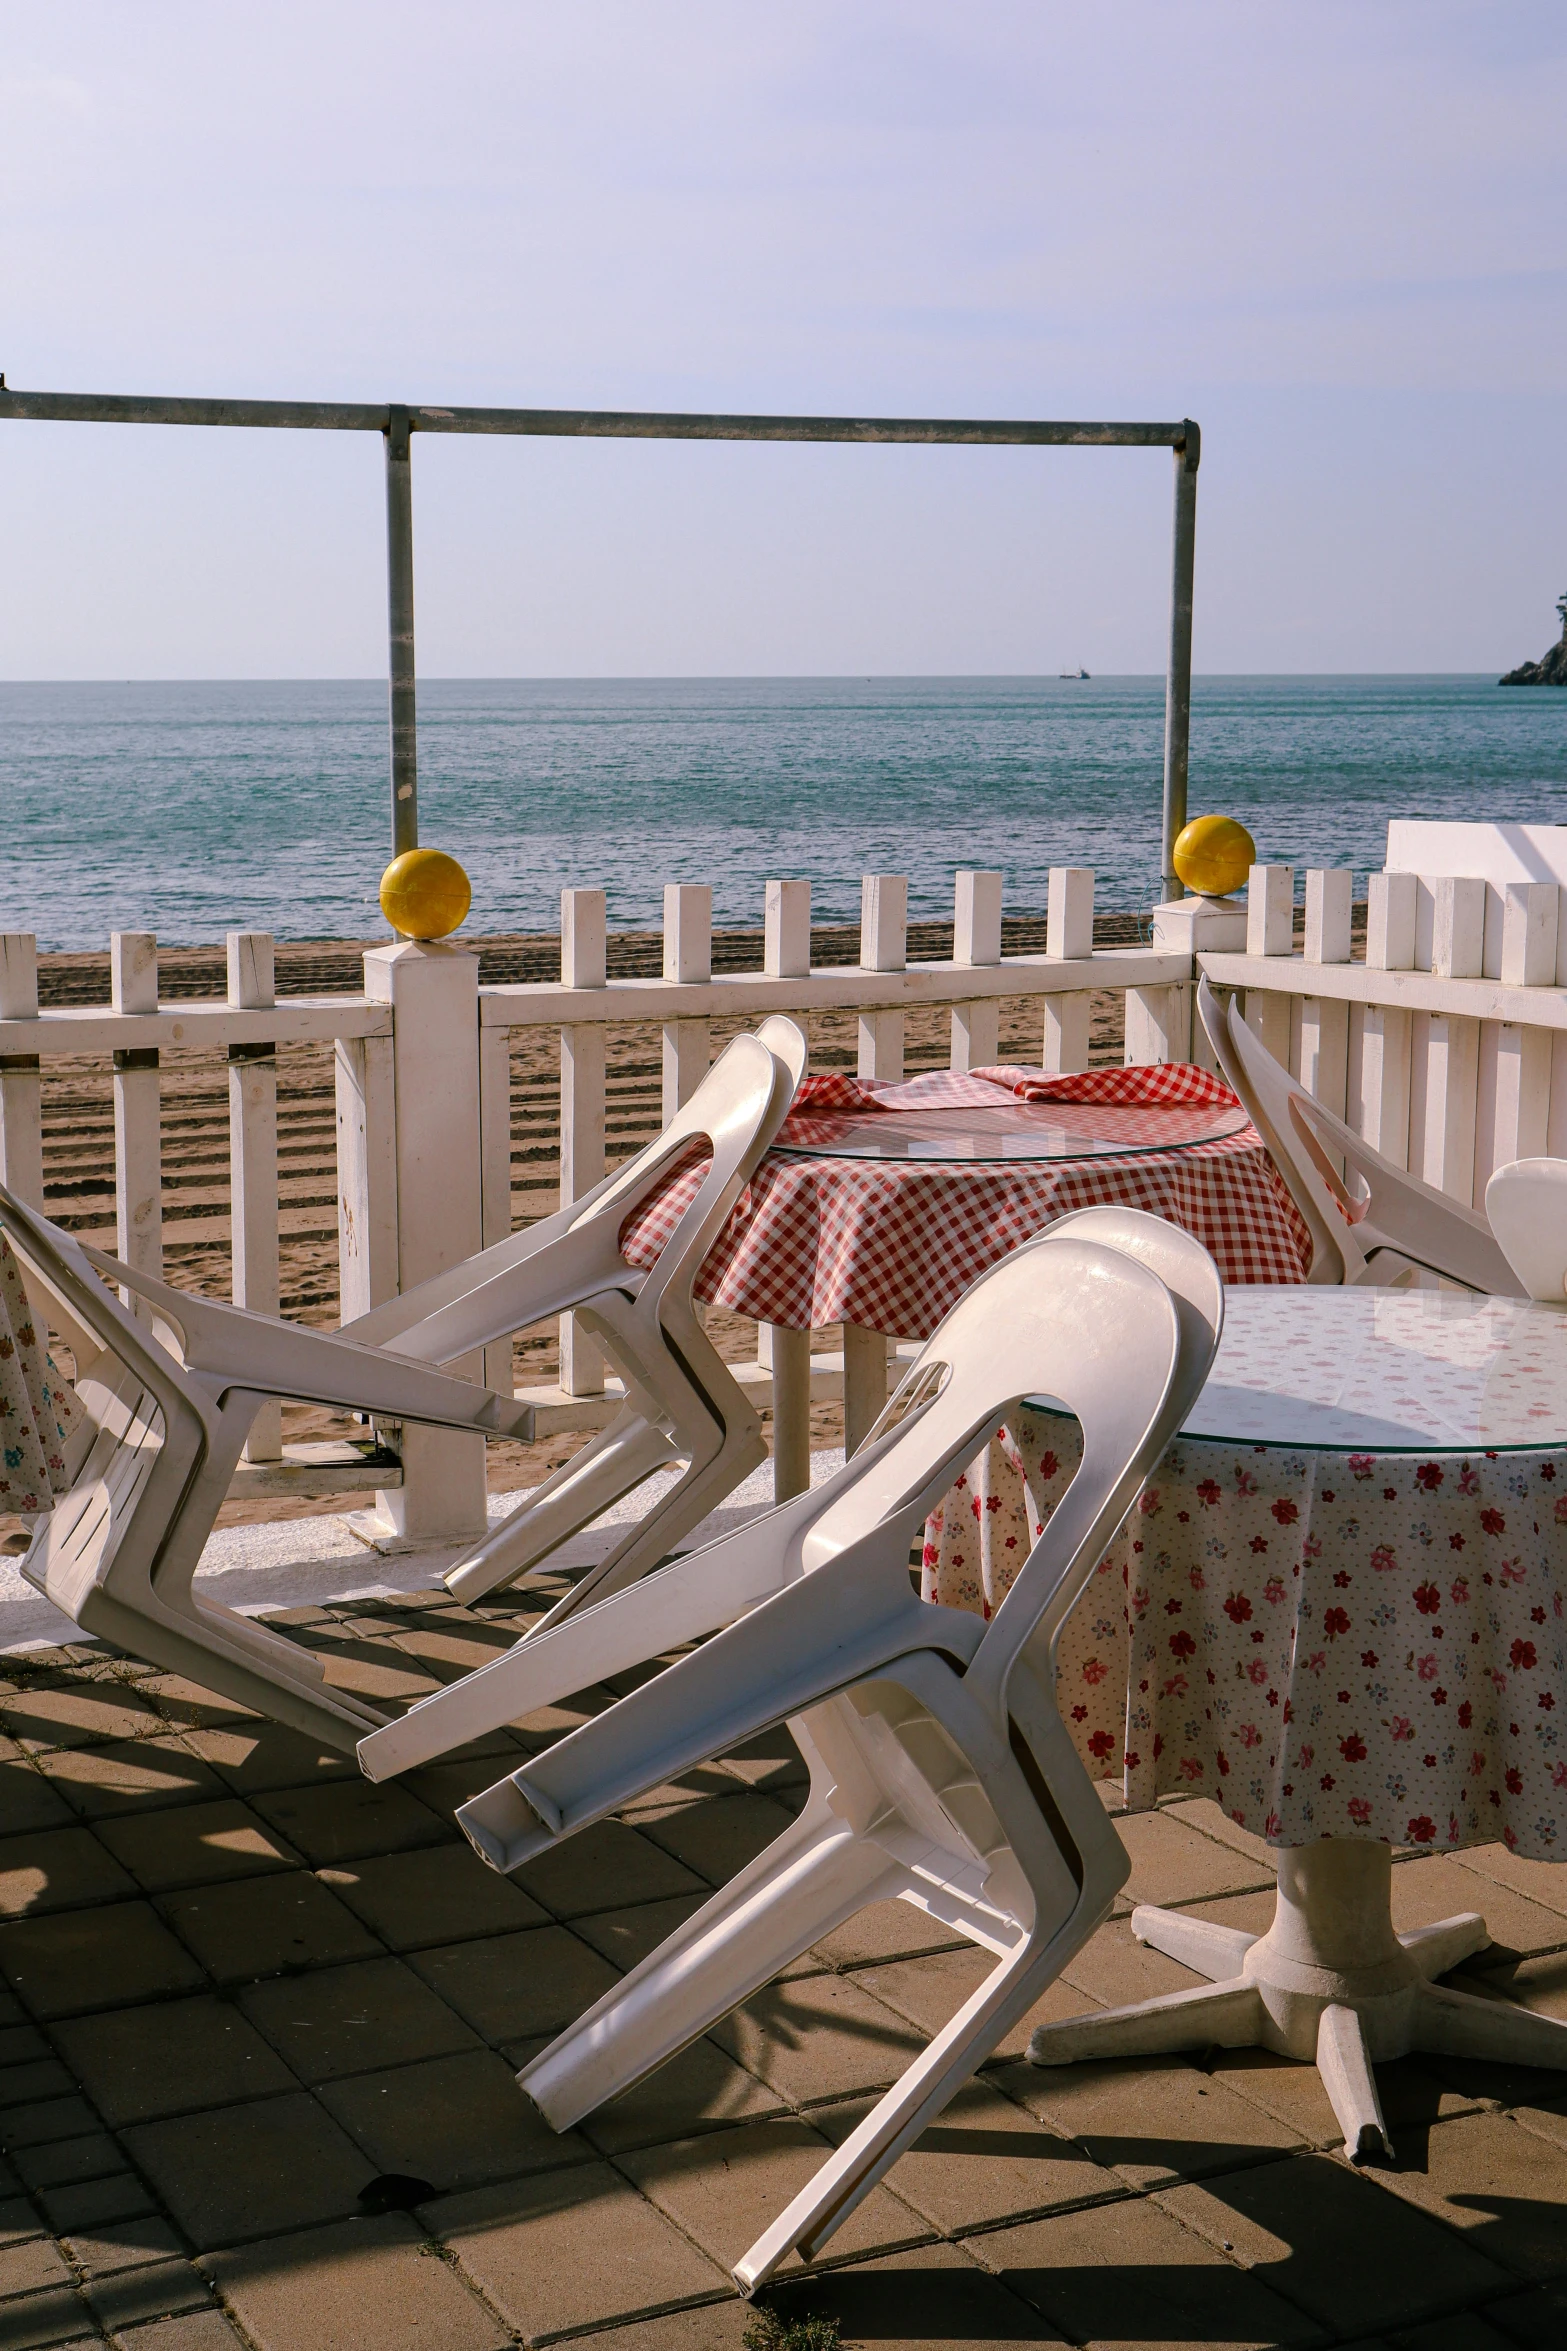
[1526, 1202]
[152, 1461]
[683, 1407]
[1392, 1215]
[941, 1771]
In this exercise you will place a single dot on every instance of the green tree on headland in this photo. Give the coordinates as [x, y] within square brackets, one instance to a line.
[1552, 671]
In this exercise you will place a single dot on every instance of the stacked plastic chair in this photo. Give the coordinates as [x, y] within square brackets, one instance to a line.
[941, 1771]
[170, 1403]
[1391, 1220]
[1526, 1203]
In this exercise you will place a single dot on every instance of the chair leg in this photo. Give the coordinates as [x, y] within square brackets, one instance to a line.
[698, 1491]
[609, 1467]
[915, 2099]
[818, 1873]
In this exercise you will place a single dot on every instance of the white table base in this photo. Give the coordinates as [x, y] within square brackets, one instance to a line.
[1329, 1981]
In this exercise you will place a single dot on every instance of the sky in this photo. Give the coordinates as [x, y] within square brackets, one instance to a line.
[1330, 231]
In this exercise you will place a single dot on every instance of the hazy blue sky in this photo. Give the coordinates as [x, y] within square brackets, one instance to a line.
[1331, 232]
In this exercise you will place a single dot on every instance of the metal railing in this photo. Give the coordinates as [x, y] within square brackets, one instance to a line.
[397, 423]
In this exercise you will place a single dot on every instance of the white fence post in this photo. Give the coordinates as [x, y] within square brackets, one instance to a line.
[433, 992]
[138, 1141]
[253, 1177]
[21, 1106]
[1378, 1102]
[1158, 1024]
[1069, 936]
[583, 1091]
[884, 946]
[21, 1085]
[688, 961]
[785, 1354]
[1270, 930]
[1515, 1111]
[1324, 1022]
[976, 940]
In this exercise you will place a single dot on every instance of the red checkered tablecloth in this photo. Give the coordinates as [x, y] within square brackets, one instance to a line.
[892, 1244]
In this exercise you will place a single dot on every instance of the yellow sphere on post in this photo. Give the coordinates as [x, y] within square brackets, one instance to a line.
[425, 894]
[1214, 855]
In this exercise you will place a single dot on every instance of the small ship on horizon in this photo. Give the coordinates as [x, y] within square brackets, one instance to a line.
[1071, 673]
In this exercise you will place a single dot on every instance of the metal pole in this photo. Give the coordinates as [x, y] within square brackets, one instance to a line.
[1178, 682]
[400, 631]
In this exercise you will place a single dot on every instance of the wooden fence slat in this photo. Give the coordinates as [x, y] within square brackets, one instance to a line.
[21, 1118]
[138, 1139]
[253, 1175]
[976, 940]
[365, 1085]
[884, 931]
[688, 961]
[583, 1093]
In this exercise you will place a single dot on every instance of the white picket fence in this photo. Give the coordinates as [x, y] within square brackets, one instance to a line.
[1445, 1047]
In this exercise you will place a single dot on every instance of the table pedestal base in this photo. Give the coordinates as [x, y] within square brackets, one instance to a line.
[1329, 1981]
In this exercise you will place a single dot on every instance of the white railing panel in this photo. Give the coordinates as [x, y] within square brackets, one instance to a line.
[976, 944]
[884, 940]
[688, 963]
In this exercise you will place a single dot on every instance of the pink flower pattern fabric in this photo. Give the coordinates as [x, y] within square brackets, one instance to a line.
[38, 1407]
[1329, 1645]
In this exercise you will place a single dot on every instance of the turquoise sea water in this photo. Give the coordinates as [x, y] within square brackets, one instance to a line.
[190, 809]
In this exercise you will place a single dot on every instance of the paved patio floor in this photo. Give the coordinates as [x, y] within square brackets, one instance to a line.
[245, 1989]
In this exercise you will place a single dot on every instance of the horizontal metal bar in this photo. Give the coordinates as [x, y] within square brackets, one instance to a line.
[579, 423]
[746, 995]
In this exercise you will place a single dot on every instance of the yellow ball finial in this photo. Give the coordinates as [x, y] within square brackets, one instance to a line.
[425, 894]
[1213, 855]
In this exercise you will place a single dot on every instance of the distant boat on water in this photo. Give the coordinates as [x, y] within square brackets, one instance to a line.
[1071, 673]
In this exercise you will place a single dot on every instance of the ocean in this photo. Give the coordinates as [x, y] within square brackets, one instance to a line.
[191, 809]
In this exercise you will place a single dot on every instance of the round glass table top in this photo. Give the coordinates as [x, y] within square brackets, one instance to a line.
[1012, 1130]
[1386, 1371]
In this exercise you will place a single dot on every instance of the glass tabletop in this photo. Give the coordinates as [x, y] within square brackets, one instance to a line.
[1386, 1371]
[1012, 1130]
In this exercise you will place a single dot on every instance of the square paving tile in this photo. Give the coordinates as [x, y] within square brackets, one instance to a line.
[436, 1894]
[454, 2121]
[251, 2171]
[724, 2188]
[629, 1936]
[1153, 2120]
[984, 2160]
[85, 1958]
[1125, 2274]
[196, 1845]
[130, 1776]
[85, 2203]
[120, 2245]
[251, 1758]
[700, 2089]
[1424, 1891]
[137, 2064]
[77, 1715]
[367, 2286]
[1353, 2254]
[57, 1869]
[929, 1991]
[572, 2249]
[1172, 1862]
[28, 1797]
[1504, 2188]
[885, 1930]
[274, 1925]
[1544, 1882]
[1114, 1969]
[346, 2020]
[92, 2156]
[26, 2268]
[511, 1987]
[819, 2036]
[718, 1837]
[604, 1867]
[938, 2296]
[348, 1820]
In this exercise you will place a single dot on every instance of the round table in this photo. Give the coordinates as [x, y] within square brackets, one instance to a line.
[885, 1239]
[1338, 1608]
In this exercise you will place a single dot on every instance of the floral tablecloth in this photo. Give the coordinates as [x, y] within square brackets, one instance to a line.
[1329, 1643]
[893, 1244]
[38, 1407]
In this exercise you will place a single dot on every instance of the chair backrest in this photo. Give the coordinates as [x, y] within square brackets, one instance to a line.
[738, 1108]
[1526, 1203]
[1270, 1097]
